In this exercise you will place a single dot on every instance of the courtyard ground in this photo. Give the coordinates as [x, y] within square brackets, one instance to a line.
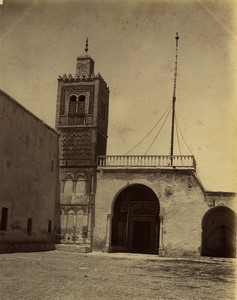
[58, 275]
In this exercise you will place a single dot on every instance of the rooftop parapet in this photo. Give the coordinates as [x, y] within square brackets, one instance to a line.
[76, 78]
[146, 161]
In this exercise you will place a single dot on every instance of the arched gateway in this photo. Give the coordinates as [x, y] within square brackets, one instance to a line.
[135, 221]
[219, 232]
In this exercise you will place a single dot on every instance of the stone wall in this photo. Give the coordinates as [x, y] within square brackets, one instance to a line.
[221, 199]
[29, 193]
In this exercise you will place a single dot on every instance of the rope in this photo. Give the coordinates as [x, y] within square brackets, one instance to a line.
[158, 132]
[183, 137]
[168, 108]
[177, 134]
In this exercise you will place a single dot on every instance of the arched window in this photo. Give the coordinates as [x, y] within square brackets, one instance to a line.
[72, 104]
[81, 104]
[81, 187]
[68, 186]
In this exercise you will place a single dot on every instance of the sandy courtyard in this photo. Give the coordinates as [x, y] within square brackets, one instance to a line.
[59, 275]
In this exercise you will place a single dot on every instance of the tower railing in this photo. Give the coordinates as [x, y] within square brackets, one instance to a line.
[162, 161]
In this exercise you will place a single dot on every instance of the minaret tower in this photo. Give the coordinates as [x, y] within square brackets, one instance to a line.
[82, 122]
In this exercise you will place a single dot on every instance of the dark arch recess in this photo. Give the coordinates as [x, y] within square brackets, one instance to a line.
[219, 232]
[82, 98]
[137, 193]
[73, 98]
[135, 220]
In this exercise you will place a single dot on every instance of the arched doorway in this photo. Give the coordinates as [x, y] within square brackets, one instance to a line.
[219, 232]
[135, 221]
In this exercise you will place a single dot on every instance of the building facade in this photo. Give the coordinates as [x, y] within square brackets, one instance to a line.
[158, 209]
[137, 204]
[29, 193]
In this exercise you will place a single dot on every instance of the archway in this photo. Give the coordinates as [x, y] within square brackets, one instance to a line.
[135, 221]
[219, 232]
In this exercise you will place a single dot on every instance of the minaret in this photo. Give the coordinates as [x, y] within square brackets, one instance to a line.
[82, 123]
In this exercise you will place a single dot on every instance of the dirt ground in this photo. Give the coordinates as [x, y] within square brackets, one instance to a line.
[61, 275]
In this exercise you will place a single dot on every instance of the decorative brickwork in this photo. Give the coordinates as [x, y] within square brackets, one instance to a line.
[76, 144]
[75, 209]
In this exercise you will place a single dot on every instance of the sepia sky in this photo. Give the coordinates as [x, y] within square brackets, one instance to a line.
[133, 45]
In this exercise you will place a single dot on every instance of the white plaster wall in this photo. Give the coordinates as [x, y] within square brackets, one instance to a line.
[182, 205]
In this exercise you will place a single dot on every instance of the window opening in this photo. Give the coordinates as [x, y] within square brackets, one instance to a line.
[68, 186]
[29, 225]
[49, 226]
[52, 165]
[72, 104]
[4, 218]
[81, 187]
[81, 104]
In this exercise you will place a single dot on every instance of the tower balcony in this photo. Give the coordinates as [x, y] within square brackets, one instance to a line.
[147, 161]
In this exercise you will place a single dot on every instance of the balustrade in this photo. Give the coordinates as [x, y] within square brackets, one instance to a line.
[178, 161]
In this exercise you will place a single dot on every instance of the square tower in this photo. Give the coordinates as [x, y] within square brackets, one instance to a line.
[82, 123]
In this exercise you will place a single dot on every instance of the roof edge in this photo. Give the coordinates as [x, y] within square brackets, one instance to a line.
[26, 110]
[220, 193]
